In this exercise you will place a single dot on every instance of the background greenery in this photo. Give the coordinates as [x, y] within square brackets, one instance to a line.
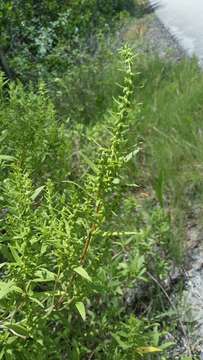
[100, 154]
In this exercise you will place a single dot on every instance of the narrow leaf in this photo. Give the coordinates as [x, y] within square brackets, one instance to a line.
[7, 287]
[17, 330]
[131, 155]
[37, 192]
[37, 302]
[81, 309]
[89, 163]
[2, 353]
[167, 345]
[6, 158]
[44, 275]
[120, 342]
[82, 272]
[148, 349]
[15, 254]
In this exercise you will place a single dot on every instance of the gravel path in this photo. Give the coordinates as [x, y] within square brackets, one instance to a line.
[191, 307]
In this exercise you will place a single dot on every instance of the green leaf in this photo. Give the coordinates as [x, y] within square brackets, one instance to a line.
[82, 272]
[37, 302]
[44, 275]
[81, 309]
[131, 155]
[7, 287]
[116, 181]
[120, 342]
[11, 340]
[15, 254]
[148, 349]
[17, 330]
[2, 353]
[90, 163]
[3, 264]
[37, 192]
[5, 252]
[6, 158]
[167, 345]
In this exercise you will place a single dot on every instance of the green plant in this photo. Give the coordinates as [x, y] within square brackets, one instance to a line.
[31, 133]
[63, 253]
[47, 33]
[46, 243]
[131, 338]
[91, 203]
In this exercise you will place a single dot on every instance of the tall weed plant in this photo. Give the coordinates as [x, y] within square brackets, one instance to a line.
[66, 264]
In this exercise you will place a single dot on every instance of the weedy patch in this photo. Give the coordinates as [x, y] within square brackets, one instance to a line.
[93, 199]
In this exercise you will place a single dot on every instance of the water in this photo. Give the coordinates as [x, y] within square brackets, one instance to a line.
[184, 18]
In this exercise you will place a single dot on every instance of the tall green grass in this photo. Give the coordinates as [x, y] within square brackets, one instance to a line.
[171, 119]
[170, 134]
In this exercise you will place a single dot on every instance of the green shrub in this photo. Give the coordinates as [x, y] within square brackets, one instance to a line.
[31, 133]
[39, 37]
[85, 92]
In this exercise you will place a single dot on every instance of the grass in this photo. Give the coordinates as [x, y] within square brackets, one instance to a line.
[170, 128]
[172, 119]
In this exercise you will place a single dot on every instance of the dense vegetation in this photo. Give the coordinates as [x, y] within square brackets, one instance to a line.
[43, 37]
[92, 140]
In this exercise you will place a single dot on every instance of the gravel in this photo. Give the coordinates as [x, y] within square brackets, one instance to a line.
[192, 298]
[158, 40]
